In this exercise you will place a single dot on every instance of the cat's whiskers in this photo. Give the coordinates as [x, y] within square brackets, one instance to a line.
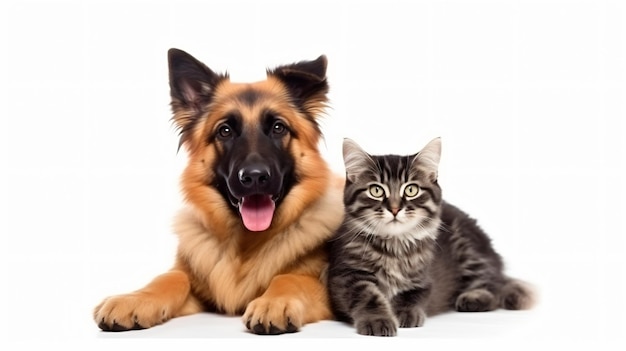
[431, 233]
[361, 226]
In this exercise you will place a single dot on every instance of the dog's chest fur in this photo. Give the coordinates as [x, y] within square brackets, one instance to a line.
[223, 276]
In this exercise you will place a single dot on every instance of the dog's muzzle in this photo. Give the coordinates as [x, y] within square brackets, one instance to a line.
[257, 210]
[255, 186]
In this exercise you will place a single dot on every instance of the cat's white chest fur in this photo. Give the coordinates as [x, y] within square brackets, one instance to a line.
[405, 227]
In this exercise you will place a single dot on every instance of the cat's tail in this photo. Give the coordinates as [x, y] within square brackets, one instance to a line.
[517, 295]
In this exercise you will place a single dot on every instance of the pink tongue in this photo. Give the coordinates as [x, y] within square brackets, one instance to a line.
[257, 212]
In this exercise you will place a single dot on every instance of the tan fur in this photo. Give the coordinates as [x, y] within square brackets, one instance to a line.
[273, 277]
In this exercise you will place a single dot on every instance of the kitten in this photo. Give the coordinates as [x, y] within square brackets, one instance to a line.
[403, 253]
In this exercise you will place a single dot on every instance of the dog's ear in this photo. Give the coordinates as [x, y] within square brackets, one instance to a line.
[191, 82]
[306, 81]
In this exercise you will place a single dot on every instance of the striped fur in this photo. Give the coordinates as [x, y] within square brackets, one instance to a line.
[400, 257]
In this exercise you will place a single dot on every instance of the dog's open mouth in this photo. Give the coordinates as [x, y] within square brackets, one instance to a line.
[257, 211]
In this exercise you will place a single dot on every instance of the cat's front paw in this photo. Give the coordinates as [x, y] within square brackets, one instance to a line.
[412, 318]
[377, 326]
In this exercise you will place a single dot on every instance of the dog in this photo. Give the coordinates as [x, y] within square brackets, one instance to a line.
[260, 203]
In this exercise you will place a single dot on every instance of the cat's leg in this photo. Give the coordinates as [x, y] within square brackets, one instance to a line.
[479, 267]
[480, 270]
[409, 307]
[483, 285]
[476, 300]
[517, 295]
[482, 281]
[511, 294]
[356, 298]
[373, 315]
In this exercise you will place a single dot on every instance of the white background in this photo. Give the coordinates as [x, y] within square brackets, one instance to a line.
[528, 97]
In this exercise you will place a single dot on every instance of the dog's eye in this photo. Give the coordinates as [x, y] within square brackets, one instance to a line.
[279, 128]
[225, 131]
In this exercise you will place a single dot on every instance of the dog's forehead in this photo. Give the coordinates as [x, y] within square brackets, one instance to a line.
[251, 99]
[251, 93]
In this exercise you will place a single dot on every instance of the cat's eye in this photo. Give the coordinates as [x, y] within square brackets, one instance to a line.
[376, 191]
[411, 190]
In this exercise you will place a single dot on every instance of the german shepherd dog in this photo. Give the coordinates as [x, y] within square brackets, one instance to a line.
[261, 203]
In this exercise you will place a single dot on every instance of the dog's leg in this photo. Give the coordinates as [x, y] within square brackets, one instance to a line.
[165, 297]
[290, 301]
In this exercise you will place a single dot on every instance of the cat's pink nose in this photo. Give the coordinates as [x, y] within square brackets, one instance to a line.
[395, 211]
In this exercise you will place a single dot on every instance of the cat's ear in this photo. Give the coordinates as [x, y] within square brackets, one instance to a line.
[355, 159]
[428, 158]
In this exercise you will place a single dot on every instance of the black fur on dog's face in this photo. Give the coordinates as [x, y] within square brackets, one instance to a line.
[245, 135]
[254, 169]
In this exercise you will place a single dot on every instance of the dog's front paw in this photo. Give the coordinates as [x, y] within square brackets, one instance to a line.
[129, 312]
[274, 316]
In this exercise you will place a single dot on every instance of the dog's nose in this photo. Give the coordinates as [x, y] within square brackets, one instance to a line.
[254, 175]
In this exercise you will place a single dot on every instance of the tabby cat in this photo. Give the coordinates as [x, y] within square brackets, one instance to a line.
[403, 253]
